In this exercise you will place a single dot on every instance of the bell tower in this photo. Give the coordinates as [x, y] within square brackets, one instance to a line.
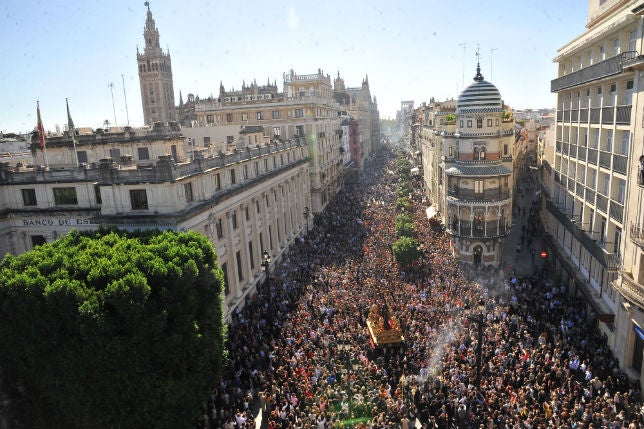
[155, 76]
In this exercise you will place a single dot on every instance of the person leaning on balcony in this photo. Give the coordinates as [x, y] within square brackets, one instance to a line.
[641, 170]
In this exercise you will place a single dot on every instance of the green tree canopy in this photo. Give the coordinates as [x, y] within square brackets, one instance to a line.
[405, 251]
[404, 226]
[112, 329]
[403, 205]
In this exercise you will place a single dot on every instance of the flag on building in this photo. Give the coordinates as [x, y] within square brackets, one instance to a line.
[41, 129]
[72, 131]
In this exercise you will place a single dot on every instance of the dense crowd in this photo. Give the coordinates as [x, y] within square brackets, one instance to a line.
[300, 348]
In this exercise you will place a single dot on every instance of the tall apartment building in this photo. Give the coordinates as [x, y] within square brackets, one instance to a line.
[594, 218]
[155, 77]
[245, 201]
[466, 151]
[305, 109]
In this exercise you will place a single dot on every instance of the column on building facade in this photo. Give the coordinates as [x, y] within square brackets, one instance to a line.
[233, 279]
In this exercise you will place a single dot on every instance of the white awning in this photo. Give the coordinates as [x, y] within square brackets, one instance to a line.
[415, 170]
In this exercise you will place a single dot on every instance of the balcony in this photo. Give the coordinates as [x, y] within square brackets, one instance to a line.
[573, 150]
[623, 116]
[604, 159]
[489, 229]
[608, 115]
[564, 148]
[602, 203]
[610, 261]
[583, 116]
[574, 115]
[558, 146]
[592, 156]
[580, 190]
[581, 153]
[629, 288]
[637, 235]
[600, 70]
[619, 163]
[496, 194]
[616, 211]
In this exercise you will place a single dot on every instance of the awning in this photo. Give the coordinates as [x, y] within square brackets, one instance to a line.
[431, 212]
[639, 331]
[415, 170]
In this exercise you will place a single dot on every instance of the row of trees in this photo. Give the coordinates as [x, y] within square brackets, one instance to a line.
[112, 329]
[406, 248]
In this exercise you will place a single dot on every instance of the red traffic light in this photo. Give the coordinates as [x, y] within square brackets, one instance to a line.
[544, 254]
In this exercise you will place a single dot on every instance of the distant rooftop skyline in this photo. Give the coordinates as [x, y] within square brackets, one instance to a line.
[409, 50]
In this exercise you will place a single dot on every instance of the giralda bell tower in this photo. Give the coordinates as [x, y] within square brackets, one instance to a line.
[155, 77]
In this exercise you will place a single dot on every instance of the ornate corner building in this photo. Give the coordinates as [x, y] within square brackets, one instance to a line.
[467, 166]
[155, 77]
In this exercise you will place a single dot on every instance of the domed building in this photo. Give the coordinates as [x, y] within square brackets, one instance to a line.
[476, 180]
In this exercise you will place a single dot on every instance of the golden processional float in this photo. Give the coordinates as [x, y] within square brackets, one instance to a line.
[384, 328]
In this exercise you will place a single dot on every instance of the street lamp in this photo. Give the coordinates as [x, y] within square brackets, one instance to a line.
[479, 319]
[306, 218]
[266, 262]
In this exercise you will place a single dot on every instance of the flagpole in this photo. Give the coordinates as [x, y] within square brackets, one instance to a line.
[72, 132]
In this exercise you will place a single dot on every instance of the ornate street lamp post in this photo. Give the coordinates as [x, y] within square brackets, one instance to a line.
[306, 219]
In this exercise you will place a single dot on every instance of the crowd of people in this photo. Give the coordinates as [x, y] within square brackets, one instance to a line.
[301, 351]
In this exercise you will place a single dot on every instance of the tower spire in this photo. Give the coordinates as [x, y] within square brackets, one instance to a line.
[479, 76]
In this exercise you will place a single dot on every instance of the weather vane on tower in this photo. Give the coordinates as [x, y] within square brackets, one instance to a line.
[479, 76]
[147, 3]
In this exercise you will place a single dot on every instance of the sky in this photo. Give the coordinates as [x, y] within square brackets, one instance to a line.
[85, 51]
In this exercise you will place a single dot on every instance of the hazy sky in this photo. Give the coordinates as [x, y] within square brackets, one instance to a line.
[410, 50]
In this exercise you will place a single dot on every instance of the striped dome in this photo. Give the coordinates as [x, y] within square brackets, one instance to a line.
[479, 96]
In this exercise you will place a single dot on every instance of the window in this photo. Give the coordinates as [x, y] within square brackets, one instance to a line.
[613, 94]
[478, 186]
[206, 141]
[115, 153]
[233, 218]
[210, 119]
[65, 196]
[299, 113]
[625, 140]
[489, 122]
[251, 257]
[598, 100]
[616, 46]
[460, 123]
[479, 122]
[187, 189]
[469, 123]
[257, 206]
[244, 116]
[299, 130]
[276, 114]
[38, 240]
[224, 268]
[276, 131]
[245, 171]
[82, 156]
[229, 117]
[97, 194]
[240, 271]
[628, 94]
[219, 228]
[29, 197]
[139, 199]
[143, 153]
[260, 116]
[606, 184]
[602, 54]
[233, 179]
[621, 190]
[246, 212]
[218, 181]
[505, 150]
[451, 151]
[230, 139]
[609, 140]
[256, 168]
[265, 165]
[496, 122]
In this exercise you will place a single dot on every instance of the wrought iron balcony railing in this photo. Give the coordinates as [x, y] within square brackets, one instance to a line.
[600, 70]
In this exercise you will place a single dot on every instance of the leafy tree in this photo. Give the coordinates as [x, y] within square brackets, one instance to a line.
[404, 226]
[405, 251]
[112, 329]
[450, 118]
[403, 205]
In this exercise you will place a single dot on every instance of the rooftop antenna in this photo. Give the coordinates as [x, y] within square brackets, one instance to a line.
[463, 45]
[111, 86]
[127, 114]
[491, 55]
